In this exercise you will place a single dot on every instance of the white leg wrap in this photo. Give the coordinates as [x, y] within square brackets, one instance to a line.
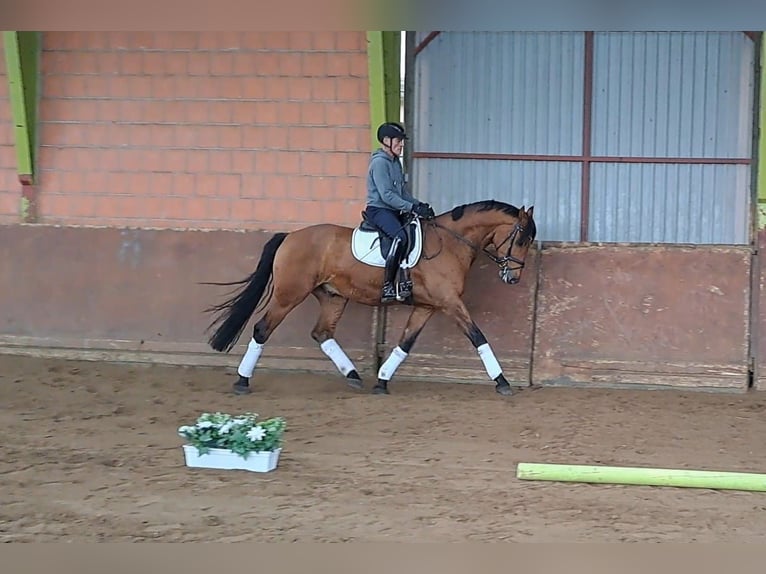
[490, 361]
[331, 348]
[388, 368]
[248, 362]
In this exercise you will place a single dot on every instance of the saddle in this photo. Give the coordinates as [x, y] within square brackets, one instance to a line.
[366, 235]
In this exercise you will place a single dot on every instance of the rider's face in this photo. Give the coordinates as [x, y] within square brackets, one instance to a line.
[396, 146]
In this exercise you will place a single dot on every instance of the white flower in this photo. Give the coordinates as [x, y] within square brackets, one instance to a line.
[256, 433]
[204, 425]
[226, 427]
[185, 430]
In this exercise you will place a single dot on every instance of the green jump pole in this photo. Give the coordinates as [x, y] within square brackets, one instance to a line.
[717, 480]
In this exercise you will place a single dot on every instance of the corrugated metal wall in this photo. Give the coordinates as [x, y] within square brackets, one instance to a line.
[654, 95]
[682, 95]
[501, 93]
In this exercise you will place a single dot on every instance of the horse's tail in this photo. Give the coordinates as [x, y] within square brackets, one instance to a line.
[235, 312]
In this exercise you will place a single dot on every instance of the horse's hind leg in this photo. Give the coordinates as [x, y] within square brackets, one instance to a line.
[331, 308]
[415, 323]
[276, 312]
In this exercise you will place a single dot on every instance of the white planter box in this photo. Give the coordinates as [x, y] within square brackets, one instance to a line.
[223, 458]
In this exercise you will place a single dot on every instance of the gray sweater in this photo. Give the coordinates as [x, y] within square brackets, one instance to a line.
[385, 183]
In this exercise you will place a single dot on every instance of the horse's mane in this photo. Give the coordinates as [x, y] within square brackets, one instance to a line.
[494, 205]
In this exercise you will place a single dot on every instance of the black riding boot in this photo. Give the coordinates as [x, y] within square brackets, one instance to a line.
[393, 260]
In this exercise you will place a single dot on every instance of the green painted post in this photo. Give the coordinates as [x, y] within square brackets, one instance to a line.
[383, 67]
[18, 103]
[22, 54]
[642, 476]
[376, 79]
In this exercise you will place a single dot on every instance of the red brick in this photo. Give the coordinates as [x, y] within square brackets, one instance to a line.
[323, 40]
[163, 87]
[336, 164]
[229, 137]
[301, 41]
[299, 138]
[243, 64]
[289, 64]
[140, 184]
[131, 63]
[183, 184]
[277, 137]
[154, 63]
[174, 161]
[220, 161]
[255, 137]
[266, 64]
[228, 185]
[242, 161]
[350, 188]
[275, 186]
[276, 90]
[299, 88]
[266, 162]
[337, 114]
[195, 112]
[185, 40]
[139, 87]
[324, 187]
[173, 207]
[162, 135]
[206, 185]
[196, 209]
[227, 87]
[350, 89]
[289, 113]
[323, 89]
[251, 185]
[253, 88]
[198, 63]
[222, 64]
[324, 139]
[313, 113]
[337, 64]
[351, 41]
[312, 163]
[288, 162]
[359, 114]
[314, 64]
[358, 66]
[197, 161]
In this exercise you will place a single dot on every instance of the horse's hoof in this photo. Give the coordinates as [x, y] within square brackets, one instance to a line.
[380, 389]
[504, 390]
[241, 389]
[354, 381]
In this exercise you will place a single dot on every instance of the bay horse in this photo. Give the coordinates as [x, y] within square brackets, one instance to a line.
[318, 260]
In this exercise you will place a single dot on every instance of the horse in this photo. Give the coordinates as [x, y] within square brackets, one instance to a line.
[319, 260]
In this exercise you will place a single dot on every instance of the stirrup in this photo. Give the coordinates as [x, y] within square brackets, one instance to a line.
[388, 293]
[404, 290]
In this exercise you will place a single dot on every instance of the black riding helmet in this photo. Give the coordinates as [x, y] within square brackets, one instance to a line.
[391, 130]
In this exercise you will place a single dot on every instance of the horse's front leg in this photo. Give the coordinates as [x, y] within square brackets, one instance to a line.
[460, 315]
[415, 323]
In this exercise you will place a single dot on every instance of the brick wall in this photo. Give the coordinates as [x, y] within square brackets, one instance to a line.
[206, 130]
[10, 188]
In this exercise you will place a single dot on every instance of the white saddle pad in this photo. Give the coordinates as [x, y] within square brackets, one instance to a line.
[365, 245]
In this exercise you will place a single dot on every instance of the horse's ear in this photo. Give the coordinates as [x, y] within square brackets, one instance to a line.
[530, 210]
[521, 209]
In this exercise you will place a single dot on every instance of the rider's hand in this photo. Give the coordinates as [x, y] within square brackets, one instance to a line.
[423, 210]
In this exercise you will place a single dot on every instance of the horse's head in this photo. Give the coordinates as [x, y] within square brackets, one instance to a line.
[512, 240]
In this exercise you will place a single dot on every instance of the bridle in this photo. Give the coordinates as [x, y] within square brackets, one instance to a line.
[502, 262]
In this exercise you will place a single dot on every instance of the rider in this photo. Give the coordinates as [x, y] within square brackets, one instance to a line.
[388, 198]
